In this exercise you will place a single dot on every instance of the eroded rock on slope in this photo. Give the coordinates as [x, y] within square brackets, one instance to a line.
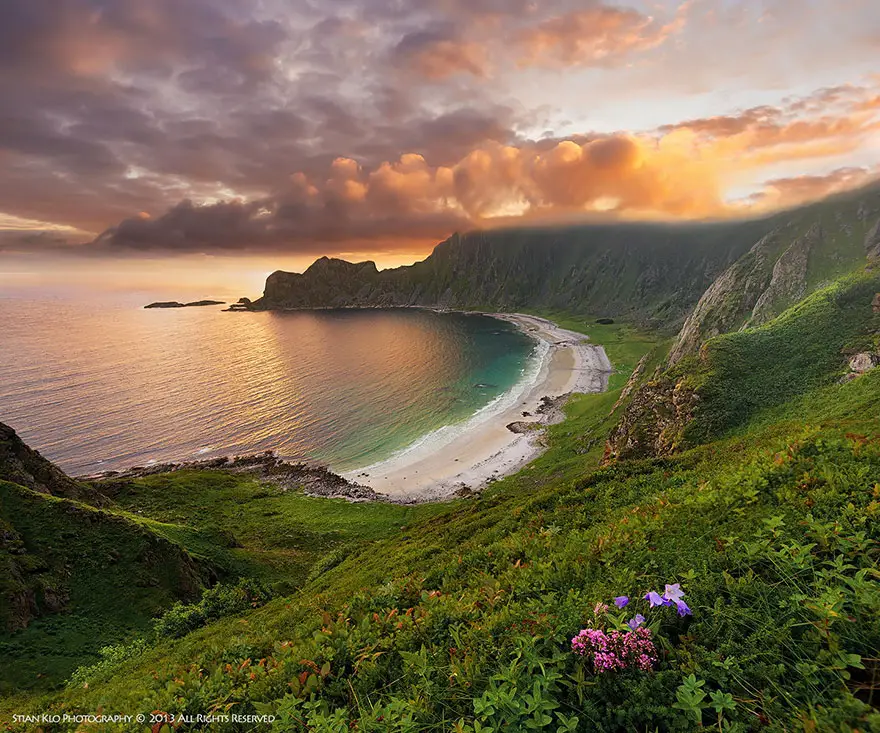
[654, 421]
[22, 465]
[731, 298]
[788, 282]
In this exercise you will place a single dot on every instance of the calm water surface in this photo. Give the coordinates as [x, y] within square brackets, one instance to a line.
[95, 382]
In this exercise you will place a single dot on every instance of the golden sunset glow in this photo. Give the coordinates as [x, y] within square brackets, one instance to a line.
[372, 131]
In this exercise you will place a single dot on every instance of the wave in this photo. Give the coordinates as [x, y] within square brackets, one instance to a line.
[433, 441]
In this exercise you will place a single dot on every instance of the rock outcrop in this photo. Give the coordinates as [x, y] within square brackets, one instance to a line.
[175, 304]
[864, 362]
[631, 383]
[788, 283]
[730, 299]
[654, 422]
[872, 242]
[22, 465]
[312, 479]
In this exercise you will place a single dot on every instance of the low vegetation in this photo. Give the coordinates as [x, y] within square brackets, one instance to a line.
[748, 564]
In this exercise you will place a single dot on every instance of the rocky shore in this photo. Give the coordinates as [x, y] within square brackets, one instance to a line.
[312, 479]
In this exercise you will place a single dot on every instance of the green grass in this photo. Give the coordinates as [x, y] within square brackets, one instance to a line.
[462, 619]
[805, 349]
[119, 576]
[258, 529]
[109, 573]
[774, 539]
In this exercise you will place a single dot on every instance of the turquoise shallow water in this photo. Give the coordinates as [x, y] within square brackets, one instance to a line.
[97, 383]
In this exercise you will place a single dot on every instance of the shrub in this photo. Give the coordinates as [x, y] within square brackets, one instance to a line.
[221, 600]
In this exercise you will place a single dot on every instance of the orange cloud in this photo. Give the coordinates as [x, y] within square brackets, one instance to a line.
[686, 171]
[594, 37]
[781, 193]
[682, 170]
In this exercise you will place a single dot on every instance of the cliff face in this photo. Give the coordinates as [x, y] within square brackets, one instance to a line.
[328, 283]
[809, 249]
[649, 273]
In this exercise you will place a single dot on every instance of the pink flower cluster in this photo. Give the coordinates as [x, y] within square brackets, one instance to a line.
[616, 650]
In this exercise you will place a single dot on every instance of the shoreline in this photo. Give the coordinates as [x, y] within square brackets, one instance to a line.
[484, 449]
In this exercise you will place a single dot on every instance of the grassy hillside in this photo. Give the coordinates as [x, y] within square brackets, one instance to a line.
[463, 621]
[73, 578]
[741, 374]
[255, 529]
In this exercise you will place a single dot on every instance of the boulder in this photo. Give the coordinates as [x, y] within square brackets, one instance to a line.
[864, 362]
[875, 304]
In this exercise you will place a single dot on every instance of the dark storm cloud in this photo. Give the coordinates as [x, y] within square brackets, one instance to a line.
[287, 224]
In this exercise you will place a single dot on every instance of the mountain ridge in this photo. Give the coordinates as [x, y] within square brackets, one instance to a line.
[652, 274]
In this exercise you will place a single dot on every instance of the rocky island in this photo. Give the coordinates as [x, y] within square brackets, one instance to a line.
[176, 304]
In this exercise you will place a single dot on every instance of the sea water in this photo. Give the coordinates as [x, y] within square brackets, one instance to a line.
[95, 382]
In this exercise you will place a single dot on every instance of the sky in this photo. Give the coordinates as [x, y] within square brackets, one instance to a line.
[278, 131]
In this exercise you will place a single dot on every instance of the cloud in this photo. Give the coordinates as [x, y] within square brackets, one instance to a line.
[596, 36]
[438, 55]
[363, 123]
[780, 193]
[828, 123]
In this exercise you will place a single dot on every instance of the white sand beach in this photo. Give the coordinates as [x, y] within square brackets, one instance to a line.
[483, 448]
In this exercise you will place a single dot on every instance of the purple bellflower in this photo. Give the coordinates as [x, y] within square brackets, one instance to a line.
[635, 622]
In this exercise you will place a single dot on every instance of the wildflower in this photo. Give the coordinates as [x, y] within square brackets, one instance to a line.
[600, 608]
[616, 650]
[636, 621]
[656, 599]
[673, 593]
[683, 609]
[621, 601]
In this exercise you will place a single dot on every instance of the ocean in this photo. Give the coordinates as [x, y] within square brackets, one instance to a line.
[95, 382]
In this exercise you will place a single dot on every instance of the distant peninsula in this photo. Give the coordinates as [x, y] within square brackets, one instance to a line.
[175, 304]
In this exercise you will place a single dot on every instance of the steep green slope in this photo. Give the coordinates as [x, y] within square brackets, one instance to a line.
[738, 376]
[73, 578]
[647, 273]
[808, 250]
[463, 621]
